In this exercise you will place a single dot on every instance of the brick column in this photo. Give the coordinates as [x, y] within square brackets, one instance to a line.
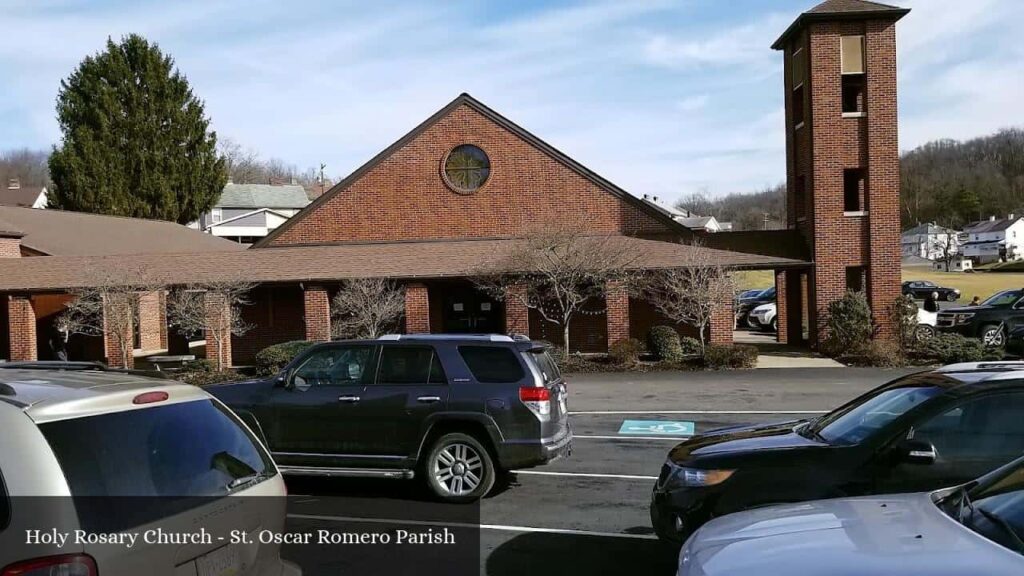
[120, 309]
[218, 330]
[151, 317]
[417, 309]
[517, 315]
[781, 307]
[21, 322]
[317, 313]
[723, 321]
[163, 320]
[617, 305]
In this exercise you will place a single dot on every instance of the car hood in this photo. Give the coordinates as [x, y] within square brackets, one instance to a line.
[894, 535]
[739, 439]
[964, 309]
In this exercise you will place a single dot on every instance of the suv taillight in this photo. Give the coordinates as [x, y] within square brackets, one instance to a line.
[65, 565]
[538, 400]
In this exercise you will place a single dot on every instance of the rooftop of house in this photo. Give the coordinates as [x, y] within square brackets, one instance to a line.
[927, 228]
[14, 194]
[263, 196]
[60, 233]
[993, 224]
[841, 10]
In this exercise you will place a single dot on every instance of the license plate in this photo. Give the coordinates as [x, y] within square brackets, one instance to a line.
[221, 562]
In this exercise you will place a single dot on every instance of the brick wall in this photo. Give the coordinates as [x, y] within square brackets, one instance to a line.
[275, 314]
[21, 322]
[317, 316]
[723, 321]
[517, 315]
[10, 247]
[617, 306]
[218, 333]
[151, 316]
[404, 197]
[417, 309]
[781, 307]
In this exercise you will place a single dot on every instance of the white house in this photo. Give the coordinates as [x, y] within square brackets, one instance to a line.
[23, 196]
[247, 212]
[929, 241]
[689, 219]
[994, 240]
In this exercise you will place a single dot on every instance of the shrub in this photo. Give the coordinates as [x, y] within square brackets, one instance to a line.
[272, 359]
[208, 377]
[626, 352]
[200, 365]
[903, 315]
[719, 356]
[849, 324]
[665, 343]
[879, 354]
[950, 348]
[689, 345]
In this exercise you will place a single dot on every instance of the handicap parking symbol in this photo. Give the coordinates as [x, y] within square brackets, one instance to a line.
[656, 428]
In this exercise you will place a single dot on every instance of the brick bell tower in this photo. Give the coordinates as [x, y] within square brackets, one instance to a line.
[842, 160]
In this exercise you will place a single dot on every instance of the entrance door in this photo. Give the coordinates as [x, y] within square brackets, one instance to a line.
[470, 311]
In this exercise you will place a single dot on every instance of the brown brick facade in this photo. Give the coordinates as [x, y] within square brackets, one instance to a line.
[517, 315]
[10, 247]
[417, 309]
[152, 321]
[617, 312]
[21, 321]
[218, 332]
[317, 307]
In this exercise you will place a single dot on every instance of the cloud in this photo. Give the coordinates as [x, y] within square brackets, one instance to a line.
[744, 45]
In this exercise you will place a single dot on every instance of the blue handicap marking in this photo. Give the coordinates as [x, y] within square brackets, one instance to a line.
[656, 428]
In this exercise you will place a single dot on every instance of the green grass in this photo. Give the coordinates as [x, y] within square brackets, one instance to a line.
[982, 284]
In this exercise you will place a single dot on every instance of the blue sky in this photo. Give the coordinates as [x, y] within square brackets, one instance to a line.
[661, 97]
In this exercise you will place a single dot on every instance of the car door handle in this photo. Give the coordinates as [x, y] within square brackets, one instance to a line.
[348, 399]
[428, 399]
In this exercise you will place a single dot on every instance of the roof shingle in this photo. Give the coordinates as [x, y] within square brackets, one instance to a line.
[262, 196]
[842, 10]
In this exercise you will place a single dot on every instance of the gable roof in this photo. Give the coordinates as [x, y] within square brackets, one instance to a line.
[246, 215]
[25, 196]
[60, 233]
[842, 10]
[984, 226]
[927, 228]
[467, 100]
[262, 196]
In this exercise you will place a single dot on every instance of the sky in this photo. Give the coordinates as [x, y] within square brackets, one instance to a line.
[663, 97]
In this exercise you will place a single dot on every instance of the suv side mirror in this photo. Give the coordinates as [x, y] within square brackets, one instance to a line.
[916, 452]
[281, 381]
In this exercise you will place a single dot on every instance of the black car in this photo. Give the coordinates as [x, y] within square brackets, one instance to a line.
[917, 433]
[991, 321]
[457, 410]
[920, 289]
[750, 299]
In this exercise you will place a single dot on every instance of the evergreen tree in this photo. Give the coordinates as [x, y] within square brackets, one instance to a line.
[135, 140]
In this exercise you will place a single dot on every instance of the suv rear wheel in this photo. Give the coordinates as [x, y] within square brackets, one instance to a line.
[458, 468]
[993, 335]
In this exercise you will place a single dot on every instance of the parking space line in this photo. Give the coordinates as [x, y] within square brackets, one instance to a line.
[598, 437]
[586, 475]
[497, 527]
[724, 412]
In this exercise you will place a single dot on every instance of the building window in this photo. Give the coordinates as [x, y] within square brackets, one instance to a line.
[854, 191]
[800, 196]
[216, 215]
[799, 63]
[799, 104]
[852, 54]
[466, 168]
[853, 72]
[854, 95]
[855, 278]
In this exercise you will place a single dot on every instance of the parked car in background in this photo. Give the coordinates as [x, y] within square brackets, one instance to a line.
[456, 410]
[920, 289]
[926, 323]
[920, 432]
[974, 528]
[749, 300]
[999, 315]
[133, 454]
[763, 318]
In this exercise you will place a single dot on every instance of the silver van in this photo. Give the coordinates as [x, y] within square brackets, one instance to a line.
[136, 476]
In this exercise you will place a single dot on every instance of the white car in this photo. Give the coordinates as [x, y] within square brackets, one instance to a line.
[926, 323]
[114, 474]
[973, 529]
[763, 317]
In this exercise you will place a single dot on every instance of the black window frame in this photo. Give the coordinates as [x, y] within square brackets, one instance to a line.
[368, 376]
[520, 363]
[432, 377]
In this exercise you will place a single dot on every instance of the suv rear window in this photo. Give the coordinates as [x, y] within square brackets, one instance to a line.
[492, 364]
[174, 454]
[546, 364]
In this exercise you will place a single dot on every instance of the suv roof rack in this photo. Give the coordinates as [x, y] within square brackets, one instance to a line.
[483, 337]
[55, 365]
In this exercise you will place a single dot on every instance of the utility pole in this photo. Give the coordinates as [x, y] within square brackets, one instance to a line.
[323, 181]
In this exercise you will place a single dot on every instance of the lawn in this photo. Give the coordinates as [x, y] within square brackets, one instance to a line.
[981, 284]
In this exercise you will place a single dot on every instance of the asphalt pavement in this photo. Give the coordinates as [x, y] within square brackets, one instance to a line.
[589, 513]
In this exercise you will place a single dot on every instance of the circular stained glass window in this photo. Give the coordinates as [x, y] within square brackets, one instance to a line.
[466, 168]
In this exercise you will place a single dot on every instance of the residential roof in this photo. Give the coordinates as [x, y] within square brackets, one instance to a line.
[984, 226]
[327, 263]
[262, 196]
[467, 100]
[61, 233]
[8, 230]
[696, 221]
[23, 196]
[841, 10]
[927, 228]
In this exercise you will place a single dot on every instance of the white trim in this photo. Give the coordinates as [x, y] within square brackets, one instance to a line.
[855, 213]
[855, 114]
[246, 215]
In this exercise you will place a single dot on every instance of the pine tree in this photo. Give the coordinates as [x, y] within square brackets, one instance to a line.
[135, 139]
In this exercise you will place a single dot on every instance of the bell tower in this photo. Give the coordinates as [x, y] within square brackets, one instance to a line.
[842, 159]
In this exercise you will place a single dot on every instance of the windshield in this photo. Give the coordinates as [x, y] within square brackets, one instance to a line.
[995, 508]
[1004, 298]
[860, 419]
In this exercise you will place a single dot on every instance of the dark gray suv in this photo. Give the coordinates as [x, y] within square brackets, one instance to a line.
[456, 409]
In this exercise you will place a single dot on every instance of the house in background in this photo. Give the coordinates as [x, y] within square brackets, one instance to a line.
[247, 212]
[994, 240]
[930, 241]
[687, 218]
[14, 194]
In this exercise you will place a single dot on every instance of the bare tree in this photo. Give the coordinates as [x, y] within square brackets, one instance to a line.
[109, 308]
[189, 310]
[366, 308]
[557, 269]
[690, 295]
[28, 166]
[947, 245]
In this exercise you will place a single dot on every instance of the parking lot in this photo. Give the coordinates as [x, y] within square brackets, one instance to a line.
[589, 513]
